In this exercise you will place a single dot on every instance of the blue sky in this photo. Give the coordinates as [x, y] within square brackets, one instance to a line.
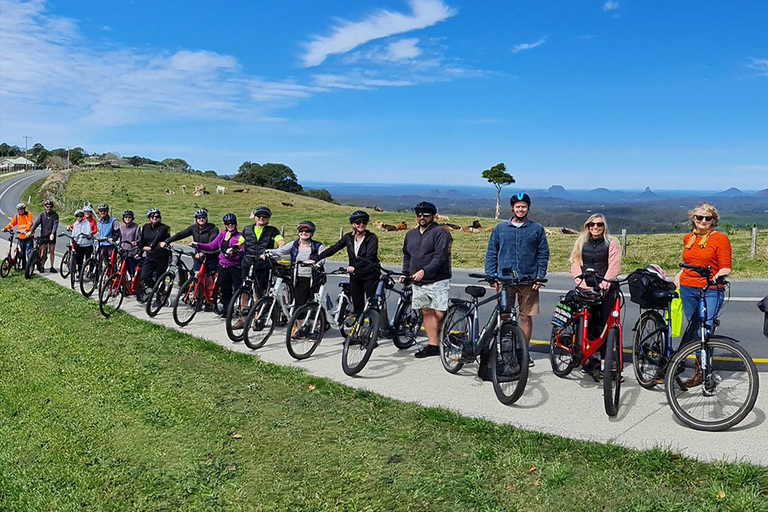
[621, 94]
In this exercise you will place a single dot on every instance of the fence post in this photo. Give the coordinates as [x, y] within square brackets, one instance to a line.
[341, 232]
[623, 242]
[753, 245]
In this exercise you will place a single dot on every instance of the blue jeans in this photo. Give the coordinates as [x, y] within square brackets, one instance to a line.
[25, 249]
[690, 299]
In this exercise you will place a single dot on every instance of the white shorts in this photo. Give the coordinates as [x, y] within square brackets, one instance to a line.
[432, 295]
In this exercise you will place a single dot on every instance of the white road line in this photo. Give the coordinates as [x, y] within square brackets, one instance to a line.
[9, 188]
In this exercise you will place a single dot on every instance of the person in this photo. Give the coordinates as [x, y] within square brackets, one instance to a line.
[254, 240]
[303, 249]
[230, 258]
[88, 211]
[83, 241]
[48, 221]
[595, 249]
[130, 236]
[156, 258]
[106, 227]
[427, 260]
[22, 221]
[519, 245]
[363, 256]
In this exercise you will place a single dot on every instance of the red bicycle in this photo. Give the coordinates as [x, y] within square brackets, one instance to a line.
[115, 285]
[197, 290]
[13, 259]
[571, 346]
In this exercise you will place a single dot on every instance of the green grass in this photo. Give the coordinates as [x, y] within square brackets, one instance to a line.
[121, 414]
[138, 189]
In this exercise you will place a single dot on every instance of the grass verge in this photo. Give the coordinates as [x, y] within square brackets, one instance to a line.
[122, 414]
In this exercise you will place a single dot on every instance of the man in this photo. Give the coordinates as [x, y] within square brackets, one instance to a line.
[156, 260]
[519, 245]
[48, 221]
[427, 260]
[106, 227]
[255, 239]
[22, 221]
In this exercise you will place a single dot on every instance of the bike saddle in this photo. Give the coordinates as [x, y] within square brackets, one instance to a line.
[586, 297]
[475, 291]
[664, 295]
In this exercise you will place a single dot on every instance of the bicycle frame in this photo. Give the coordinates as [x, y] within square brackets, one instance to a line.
[13, 252]
[590, 346]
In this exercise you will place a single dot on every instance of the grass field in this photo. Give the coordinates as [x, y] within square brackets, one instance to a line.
[122, 414]
[138, 189]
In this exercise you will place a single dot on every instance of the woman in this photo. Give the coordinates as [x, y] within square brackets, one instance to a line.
[303, 249]
[255, 239]
[363, 253]
[129, 240]
[230, 258]
[83, 238]
[595, 249]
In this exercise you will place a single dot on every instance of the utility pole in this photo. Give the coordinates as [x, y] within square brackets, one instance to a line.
[68, 148]
[26, 152]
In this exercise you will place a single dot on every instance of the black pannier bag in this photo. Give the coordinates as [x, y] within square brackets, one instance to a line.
[642, 284]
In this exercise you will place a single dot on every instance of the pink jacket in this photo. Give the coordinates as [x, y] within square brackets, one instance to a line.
[614, 265]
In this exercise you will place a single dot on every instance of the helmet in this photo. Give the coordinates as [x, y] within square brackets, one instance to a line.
[307, 225]
[657, 270]
[202, 213]
[229, 218]
[47, 202]
[262, 210]
[87, 208]
[21, 206]
[425, 207]
[359, 216]
[79, 212]
[103, 206]
[153, 211]
[128, 213]
[520, 196]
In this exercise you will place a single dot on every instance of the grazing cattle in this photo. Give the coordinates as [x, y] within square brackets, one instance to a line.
[169, 192]
[441, 217]
[200, 190]
[569, 231]
[245, 190]
[287, 205]
[550, 232]
[488, 230]
[452, 227]
[476, 224]
[377, 209]
[388, 227]
[220, 189]
[378, 223]
[184, 189]
[402, 226]
[470, 229]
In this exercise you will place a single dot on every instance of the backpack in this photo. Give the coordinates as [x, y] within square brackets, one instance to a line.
[509, 371]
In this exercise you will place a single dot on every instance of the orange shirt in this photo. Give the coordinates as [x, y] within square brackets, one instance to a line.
[717, 254]
[22, 223]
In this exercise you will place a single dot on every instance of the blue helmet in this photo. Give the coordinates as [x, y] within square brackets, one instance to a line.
[202, 213]
[520, 196]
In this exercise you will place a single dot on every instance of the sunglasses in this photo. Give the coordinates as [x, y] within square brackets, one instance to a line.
[360, 223]
[230, 224]
[154, 216]
[423, 214]
[705, 218]
[79, 215]
[596, 224]
[262, 217]
[305, 232]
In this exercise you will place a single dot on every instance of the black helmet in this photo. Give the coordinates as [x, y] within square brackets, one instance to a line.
[229, 218]
[103, 206]
[425, 207]
[359, 216]
[128, 213]
[202, 213]
[153, 211]
[47, 202]
[520, 196]
[306, 224]
[262, 210]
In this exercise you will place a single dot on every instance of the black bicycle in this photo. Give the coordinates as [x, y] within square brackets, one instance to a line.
[34, 262]
[160, 294]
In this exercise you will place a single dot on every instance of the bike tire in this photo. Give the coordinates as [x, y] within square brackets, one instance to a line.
[612, 372]
[187, 303]
[32, 262]
[89, 277]
[160, 294]
[73, 274]
[237, 310]
[5, 267]
[346, 317]
[454, 336]
[260, 322]
[359, 345]
[508, 390]
[564, 347]
[724, 398]
[111, 296]
[407, 326]
[65, 264]
[19, 266]
[648, 360]
[305, 330]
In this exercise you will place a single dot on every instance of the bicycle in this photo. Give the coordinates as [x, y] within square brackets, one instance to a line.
[114, 286]
[571, 346]
[195, 291]
[160, 294]
[12, 259]
[275, 307]
[364, 334]
[91, 271]
[719, 367]
[34, 261]
[240, 304]
[65, 265]
[309, 322]
[462, 341]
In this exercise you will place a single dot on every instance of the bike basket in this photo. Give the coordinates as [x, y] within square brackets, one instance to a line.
[562, 314]
[642, 284]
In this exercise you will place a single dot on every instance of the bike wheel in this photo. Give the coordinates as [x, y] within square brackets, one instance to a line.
[346, 318]
[237, 310]
[564, 348]
[612, 372]
[73, 274]
[65, 265]
[111, 295]
[407, 326]
[454, 337]
[648, 359]
[160, 294]
[509, 374]
[19, 266]
[32, 263]
[89, 277]
[359, 345]
[5, 267]
[260, 322]
[726, 392]
[187, 303]
[305, 330]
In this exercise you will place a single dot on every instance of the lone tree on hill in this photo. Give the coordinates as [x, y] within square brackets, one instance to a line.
[498, 177]
[277, 176]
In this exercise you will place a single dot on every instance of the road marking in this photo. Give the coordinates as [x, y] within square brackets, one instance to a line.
[9, 188]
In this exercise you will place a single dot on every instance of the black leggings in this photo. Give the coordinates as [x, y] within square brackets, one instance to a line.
[81, 253]
[151, 270]
[360, 290]
[229, 281]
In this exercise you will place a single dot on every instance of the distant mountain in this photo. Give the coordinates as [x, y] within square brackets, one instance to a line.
[647, 195]
[557, 191]
[731, 192]
[762, 193]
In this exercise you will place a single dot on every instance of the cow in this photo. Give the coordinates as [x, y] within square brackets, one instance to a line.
[402, 226]
[184, 189]
[287, 205]
[388, 227]
[169, 192]
[220, 189]
[476, 224]
[377, 209]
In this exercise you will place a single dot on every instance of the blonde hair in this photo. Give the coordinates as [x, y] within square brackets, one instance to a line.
[584, 236]
[710, 209]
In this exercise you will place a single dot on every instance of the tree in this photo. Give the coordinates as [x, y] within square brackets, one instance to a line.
[321, 194]
[7, 150]
[277, 176]
[498, 177]
[177, 164]
[135, 160]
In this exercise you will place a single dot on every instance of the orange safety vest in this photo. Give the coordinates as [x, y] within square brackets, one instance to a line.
[22, 223]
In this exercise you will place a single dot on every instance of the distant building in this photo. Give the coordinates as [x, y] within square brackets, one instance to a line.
[18, 163]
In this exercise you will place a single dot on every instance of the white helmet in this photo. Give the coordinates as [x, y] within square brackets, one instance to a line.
[655, 269]
[21, 206]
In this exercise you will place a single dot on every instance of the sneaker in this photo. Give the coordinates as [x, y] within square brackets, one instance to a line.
[208, 308]
[52, 270]
[313, 336]
[531, 364]
[239, 323]
[428, 351]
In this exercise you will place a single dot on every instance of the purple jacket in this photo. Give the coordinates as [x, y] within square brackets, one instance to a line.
[225, 260]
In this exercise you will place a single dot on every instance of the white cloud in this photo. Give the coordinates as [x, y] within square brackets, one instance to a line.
[528, 46]
[348, 35]
[761, 65]
[610, 5]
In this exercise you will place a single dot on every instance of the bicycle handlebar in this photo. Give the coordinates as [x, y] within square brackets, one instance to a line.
[519, 281]
[705, 272]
